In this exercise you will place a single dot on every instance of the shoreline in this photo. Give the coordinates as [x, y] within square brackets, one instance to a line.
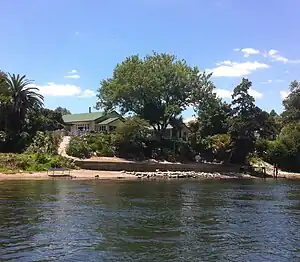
[83, 174]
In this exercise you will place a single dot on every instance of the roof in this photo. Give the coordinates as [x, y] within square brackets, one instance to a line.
[82, 117]
[108, 120]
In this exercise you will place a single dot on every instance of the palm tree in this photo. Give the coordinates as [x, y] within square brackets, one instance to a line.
[24, 96]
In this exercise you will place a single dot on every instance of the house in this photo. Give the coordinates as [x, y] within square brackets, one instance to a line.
[93, 122]
[181, 131]
[107, 122]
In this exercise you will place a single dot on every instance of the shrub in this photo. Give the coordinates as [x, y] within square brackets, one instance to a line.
[86, 145]
[221, 146]
[33, 162]
[101, 144]
[132, 137]
[285, 150]
[261, 147]
[78, 147]
[44, 143]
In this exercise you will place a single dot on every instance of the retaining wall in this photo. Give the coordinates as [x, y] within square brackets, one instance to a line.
[152, 167]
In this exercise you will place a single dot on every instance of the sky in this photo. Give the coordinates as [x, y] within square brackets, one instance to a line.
[67, 47]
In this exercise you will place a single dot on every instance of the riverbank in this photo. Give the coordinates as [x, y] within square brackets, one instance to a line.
[75, 174]
[124, 175]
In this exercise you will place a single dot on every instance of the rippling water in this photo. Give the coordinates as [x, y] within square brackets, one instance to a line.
[63, 220]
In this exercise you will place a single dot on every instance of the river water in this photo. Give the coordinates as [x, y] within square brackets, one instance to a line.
[65, 220]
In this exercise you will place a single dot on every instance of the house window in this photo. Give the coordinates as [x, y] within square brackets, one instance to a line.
[100, 128]
[82, 126]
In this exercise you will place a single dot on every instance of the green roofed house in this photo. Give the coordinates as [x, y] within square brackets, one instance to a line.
[93, 121]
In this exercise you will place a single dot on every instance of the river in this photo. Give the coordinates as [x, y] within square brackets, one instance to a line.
[65, 220]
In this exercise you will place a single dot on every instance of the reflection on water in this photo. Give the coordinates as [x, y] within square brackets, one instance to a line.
[149, 221]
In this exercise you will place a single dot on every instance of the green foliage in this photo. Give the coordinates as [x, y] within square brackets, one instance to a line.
[243, 123]
[101, 144]
[171, 150]
[45, 143]
[221, 147]
[132, 137]
[212, 113]
[156, 88]
[62, 111]
[78, 147]
[261, 147]
[284, 151]
[33, 162]
[85, 146]
[291, 114]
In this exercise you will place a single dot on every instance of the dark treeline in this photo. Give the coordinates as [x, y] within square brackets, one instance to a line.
[156, 89]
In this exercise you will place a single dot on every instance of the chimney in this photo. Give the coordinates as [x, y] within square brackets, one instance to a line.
[90, 110]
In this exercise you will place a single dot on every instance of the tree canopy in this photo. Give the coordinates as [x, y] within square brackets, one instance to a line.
[156, 88]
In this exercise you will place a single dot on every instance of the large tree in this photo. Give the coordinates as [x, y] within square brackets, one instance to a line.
[24, 97]
[17, 100]
[156, 88]
[243, 123]
[291, 113]
[63, 111]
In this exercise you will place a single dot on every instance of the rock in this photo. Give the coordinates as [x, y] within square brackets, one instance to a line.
[96, 175]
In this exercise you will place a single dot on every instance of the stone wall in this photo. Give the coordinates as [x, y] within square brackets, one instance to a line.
[152, 167]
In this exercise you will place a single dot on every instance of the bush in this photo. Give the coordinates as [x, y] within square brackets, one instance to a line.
[261, 147]
[132, 138]
[33, 162]
[78, 147]
[101, 144]
[92, 144]
[44, 143]
[285, 150]
[221, 147]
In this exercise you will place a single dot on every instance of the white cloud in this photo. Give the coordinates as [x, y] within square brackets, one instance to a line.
[235, 69]
[267, 82]
[73, 71]
[189, 119]
[284, 94]
[62, 90]
[88, 93]
[255, 94]
[73, 76]
[77, 33]
[248, 51]
[272, 81]
[275, 56]
[223, 93]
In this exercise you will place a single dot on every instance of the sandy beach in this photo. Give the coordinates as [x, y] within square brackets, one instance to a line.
[104, 175]
[76, 174]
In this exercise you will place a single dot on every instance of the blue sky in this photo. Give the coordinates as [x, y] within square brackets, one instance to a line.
[67, 47]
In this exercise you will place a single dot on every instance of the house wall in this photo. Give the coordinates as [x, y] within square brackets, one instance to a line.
[184, 132]
[74, 126]
[116, 123]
